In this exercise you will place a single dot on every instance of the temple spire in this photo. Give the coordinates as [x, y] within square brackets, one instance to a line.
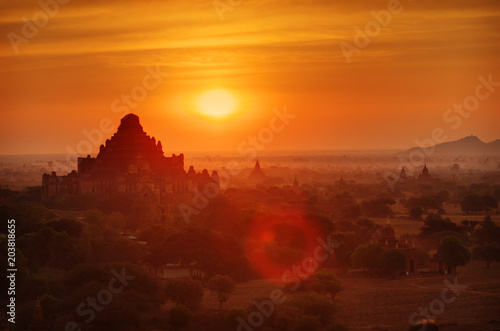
[38, 322]
[257, 165]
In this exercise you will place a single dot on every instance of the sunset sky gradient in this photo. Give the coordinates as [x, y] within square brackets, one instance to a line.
[268, 54]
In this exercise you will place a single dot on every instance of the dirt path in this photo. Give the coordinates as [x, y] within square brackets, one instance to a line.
[414, 283]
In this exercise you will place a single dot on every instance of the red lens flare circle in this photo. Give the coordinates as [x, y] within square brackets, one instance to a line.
[293, 234]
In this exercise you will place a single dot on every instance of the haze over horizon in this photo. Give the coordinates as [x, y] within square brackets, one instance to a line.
[262, 56]
[270, 152]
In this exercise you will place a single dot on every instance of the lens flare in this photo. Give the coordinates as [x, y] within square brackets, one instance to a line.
[275, 245]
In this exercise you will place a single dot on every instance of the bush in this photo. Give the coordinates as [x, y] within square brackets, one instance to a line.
[471, 204]
[293, 319]
[314, 305]
[184, 291]
[416, 213]
[426, 325]
[365, 256]
[50, 304]
[233, 315]
[337, 327]
[328, 283]
[487, 253]
[179, 316]
[454, 253]
[392, 260]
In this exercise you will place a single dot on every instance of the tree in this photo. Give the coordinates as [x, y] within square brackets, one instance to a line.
[489, 201]
[487, 253]
[454, 253]
[342, 253]
[435, 223]
[71, 227]
[469, 226]
[142, 291]
[426, 202]
[233, 315]
[416, 213]
[426, 325]
[154, 234]
[366, 228]
[221, 287]
[116, 221]
[184, 291]
[94, 216]
[328, 283]
[337, 327]
[50, 304]
[295, 319]
[313, 304]
[496, 192]
[50, 248]
[443, 196]
[179, 316]
[377, 207]
[488, 231]
[216, 253]
[365, 256]
[351, 211]
[392, 260]
[471, 204]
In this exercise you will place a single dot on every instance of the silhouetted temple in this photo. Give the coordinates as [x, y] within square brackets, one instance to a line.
[402, 176]
[341, 185]
[388, 240]
[130, 161]
[38, 322]
[424, 175]
[257, 176]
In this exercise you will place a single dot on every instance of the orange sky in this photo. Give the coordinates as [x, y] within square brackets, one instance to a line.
[269, 54]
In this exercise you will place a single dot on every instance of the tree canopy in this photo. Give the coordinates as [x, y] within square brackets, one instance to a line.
[392, 261]
[184, 291]
[221, 287]
[487, 253]
[471, 204]
[454, 253]
[434, 223]
[366, 256]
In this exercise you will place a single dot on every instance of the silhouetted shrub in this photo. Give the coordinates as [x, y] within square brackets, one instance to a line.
[179, 316]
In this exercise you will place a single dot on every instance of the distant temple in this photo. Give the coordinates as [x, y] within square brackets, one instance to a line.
[402, 176]
[130, 161]
[341, 185]
[257, 176]
[424, 175]
[38, 322]
[388, 240]
[295, 186]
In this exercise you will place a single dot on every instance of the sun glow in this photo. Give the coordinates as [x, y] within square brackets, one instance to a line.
[217, 103]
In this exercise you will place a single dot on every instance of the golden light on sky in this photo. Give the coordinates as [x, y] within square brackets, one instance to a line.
[66, 68]
[217, 103]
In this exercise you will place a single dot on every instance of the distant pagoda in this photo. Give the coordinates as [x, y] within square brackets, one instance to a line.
[257, 176]
[38, 322]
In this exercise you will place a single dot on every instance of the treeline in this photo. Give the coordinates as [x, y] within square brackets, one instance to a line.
[67, 261]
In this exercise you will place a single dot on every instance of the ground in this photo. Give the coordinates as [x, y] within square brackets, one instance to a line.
[380, 304]
[383, 304]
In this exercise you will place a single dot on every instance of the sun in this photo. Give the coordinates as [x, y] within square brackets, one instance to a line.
[217, 103]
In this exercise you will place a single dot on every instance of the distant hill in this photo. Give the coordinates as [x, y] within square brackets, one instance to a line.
[468, 146]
